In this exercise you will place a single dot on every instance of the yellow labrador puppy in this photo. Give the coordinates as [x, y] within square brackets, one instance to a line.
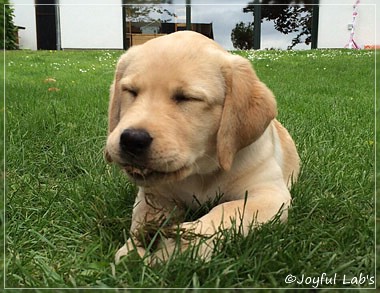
[188, 120]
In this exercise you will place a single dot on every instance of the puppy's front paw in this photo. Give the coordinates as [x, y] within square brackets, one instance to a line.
[200, 248]
[128, 248]
[167, 249]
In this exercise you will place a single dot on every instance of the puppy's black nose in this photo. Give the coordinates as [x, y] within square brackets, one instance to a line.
[135, 141]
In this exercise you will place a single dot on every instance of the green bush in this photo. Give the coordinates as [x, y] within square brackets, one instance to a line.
[9, 37]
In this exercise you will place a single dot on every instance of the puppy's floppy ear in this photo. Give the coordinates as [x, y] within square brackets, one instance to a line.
[114, 103]
[249, 107]
[113, 108]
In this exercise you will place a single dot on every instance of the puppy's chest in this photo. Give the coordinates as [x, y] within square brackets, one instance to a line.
[195, 200]
[198, 195]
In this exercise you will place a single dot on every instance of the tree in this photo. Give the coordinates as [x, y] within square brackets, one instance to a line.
[288, 17]
[146, 11]
[9, 38]
[242, 36]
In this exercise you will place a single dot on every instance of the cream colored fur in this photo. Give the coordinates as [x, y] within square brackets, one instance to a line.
[222, 138]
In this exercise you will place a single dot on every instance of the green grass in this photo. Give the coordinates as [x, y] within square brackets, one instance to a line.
[66, 209]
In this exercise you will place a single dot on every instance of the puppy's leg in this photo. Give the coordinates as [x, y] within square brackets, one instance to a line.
[127, 248]
[259, 207]
[149, 213]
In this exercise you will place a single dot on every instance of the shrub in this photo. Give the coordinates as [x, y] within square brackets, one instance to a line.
[242, 36]
[8, 37]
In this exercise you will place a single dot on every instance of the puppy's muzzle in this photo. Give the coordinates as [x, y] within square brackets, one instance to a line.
[135, 141]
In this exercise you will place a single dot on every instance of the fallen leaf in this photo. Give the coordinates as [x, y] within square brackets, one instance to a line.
[49, 79]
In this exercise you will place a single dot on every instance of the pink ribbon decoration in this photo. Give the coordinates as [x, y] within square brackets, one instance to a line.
[351, 43]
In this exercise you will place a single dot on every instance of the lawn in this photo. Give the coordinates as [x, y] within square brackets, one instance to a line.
[67, 211]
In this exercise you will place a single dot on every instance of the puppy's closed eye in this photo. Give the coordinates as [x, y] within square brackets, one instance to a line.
[131, 91]
[181, 98]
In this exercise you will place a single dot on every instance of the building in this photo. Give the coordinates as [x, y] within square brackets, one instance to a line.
[69, 25]
[99, 24]
[336, 21]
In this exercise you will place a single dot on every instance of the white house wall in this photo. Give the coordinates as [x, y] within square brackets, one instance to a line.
[336, 15]
[91, 24]
[25, 16]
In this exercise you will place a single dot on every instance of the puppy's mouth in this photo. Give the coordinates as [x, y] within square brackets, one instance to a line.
[146, 175]
[137, 172]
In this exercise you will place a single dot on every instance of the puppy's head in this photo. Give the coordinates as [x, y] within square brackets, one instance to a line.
[181, 105]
